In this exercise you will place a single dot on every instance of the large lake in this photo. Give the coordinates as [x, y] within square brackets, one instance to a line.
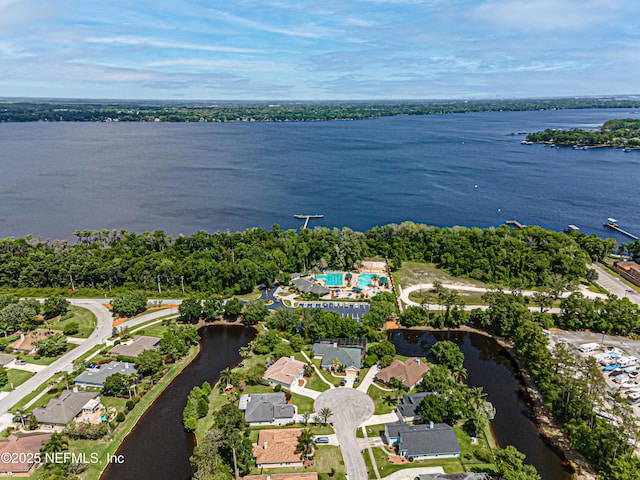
[462, 169]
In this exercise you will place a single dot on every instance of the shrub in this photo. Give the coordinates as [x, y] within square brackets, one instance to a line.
[277, 388]
[130, 404]
[36, 357]
[120, 417]
[71, 328]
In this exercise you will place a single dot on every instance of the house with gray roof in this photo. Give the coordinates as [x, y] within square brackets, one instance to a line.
[408, 409]
[331, 353]
[135, 347]
[304, 285]
[66, 407]
[423, 442]
[95, 377]
[266, 409]
[5, 359]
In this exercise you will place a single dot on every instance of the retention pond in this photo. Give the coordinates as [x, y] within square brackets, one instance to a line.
[489, 366]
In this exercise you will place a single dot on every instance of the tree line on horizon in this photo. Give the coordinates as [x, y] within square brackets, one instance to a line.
[37, 110]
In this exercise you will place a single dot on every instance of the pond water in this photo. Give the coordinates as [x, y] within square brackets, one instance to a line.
[158, 447]
[489, 366]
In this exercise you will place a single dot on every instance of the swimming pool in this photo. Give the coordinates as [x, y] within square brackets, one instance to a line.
[331, 279]
[364, 279]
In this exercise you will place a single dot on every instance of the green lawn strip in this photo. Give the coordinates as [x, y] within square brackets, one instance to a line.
[333, 380]
[468, 452]
[85, 319]
[109, 444]
[367, 462]
[304, 404]
[594, 287]
[249, 296]
[45, 360]
[372, 430]
[16, 377]
[378, 397]
[450, 465]
[153, 328]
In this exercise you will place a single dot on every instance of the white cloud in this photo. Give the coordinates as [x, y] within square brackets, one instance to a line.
[150, 42]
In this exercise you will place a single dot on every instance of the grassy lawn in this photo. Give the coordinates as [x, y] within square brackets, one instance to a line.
[315, 383]
[450, 465]
[45, 360]
[152, 329]
[378, 396]
[249, 296]
[372, 431]
[470, 298]
[334, 380]
[16, 377]
[414, 273]
[304, 404]
[594, 287]
[468, 452]
[85, 319]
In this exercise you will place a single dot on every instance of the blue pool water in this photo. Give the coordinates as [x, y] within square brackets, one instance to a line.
[364, 279]
[331, 279]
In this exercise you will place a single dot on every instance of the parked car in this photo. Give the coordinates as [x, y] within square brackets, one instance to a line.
[610, 367]
[343, 383]
[322, 439]
[20, 362]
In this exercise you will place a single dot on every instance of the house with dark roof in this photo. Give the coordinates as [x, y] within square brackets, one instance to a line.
[408, 409]
[18, 453]
[135, 347]
[266, 409]
[66, 407]
[304, 285]
[331, 354]
[422, 442]
[95, 377]
[409, 372]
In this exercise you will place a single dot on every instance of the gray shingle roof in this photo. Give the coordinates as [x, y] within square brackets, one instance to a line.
[6, 358]
[417, 440]
[411, 402]
[307, 286]
[139, 344]
[93, 376]
[349, 357]
[63, 409]
[267, 408]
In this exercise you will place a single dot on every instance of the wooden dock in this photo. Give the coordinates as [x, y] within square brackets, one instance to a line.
[514, 223]
[614, 226]
[306, 218]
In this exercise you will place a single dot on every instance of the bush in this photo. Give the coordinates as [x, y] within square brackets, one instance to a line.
[130, 404]
[120, 417]
[71, 328]
[85, 431]
[277, 388]
[36, 357]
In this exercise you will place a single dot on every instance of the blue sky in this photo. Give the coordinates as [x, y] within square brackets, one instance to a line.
[318, 50]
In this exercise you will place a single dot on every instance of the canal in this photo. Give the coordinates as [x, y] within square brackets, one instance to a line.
[489, 366]
[158, 447]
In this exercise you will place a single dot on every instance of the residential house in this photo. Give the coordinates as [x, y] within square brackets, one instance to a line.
[135, 347]
[284, 372]
[95, 377]
[284, 476]
[409, 372]
[332, 354]
[408, 409]
[422, 442]
[266, 409]
[6, 359]
[27, 342]
[277, 448]
[18, 453]
[67, 407]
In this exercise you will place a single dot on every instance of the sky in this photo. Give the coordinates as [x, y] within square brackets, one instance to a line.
[318, 49]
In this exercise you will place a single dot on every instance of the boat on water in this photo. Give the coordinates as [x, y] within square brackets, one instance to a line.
[611, 222]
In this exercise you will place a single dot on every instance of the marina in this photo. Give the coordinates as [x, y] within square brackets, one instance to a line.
[612, 223]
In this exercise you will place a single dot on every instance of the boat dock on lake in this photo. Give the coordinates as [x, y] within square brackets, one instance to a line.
[612, 223]
[514, 223]
[306, 218]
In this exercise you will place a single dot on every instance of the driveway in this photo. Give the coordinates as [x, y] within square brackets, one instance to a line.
[366, 382]
[412, 473]
[27, 367]
[350, 408]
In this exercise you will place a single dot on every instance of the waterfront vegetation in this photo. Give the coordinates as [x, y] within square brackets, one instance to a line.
[27, 110]
[624, 133]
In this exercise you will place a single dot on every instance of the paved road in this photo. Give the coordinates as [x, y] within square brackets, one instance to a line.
[614, 285]
[101, 333]
[350, 408]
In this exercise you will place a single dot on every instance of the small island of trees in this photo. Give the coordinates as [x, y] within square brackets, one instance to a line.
[623, 133]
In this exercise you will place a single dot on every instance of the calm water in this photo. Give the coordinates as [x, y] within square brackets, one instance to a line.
[158, 447]
[489, 367]
[463, 169]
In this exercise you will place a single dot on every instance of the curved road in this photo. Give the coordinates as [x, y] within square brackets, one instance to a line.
[100, 334]
[350, 409]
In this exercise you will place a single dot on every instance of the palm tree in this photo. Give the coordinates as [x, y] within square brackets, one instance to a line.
[305, 444]
[21, 417]
[478, 395]
[324, 414]
[56, 443]
[305, 418]
[226, 378]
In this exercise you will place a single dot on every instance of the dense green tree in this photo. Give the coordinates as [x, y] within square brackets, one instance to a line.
[129, 304]
[4, 377]
[213, 307]
[432, 408]
[54, 306]
[448, 354]
[206, 461]
[233, 308]
[254, 311]
[115, 384]
[509, 462]
[52, 345]
[190, 311]
[149, 362]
